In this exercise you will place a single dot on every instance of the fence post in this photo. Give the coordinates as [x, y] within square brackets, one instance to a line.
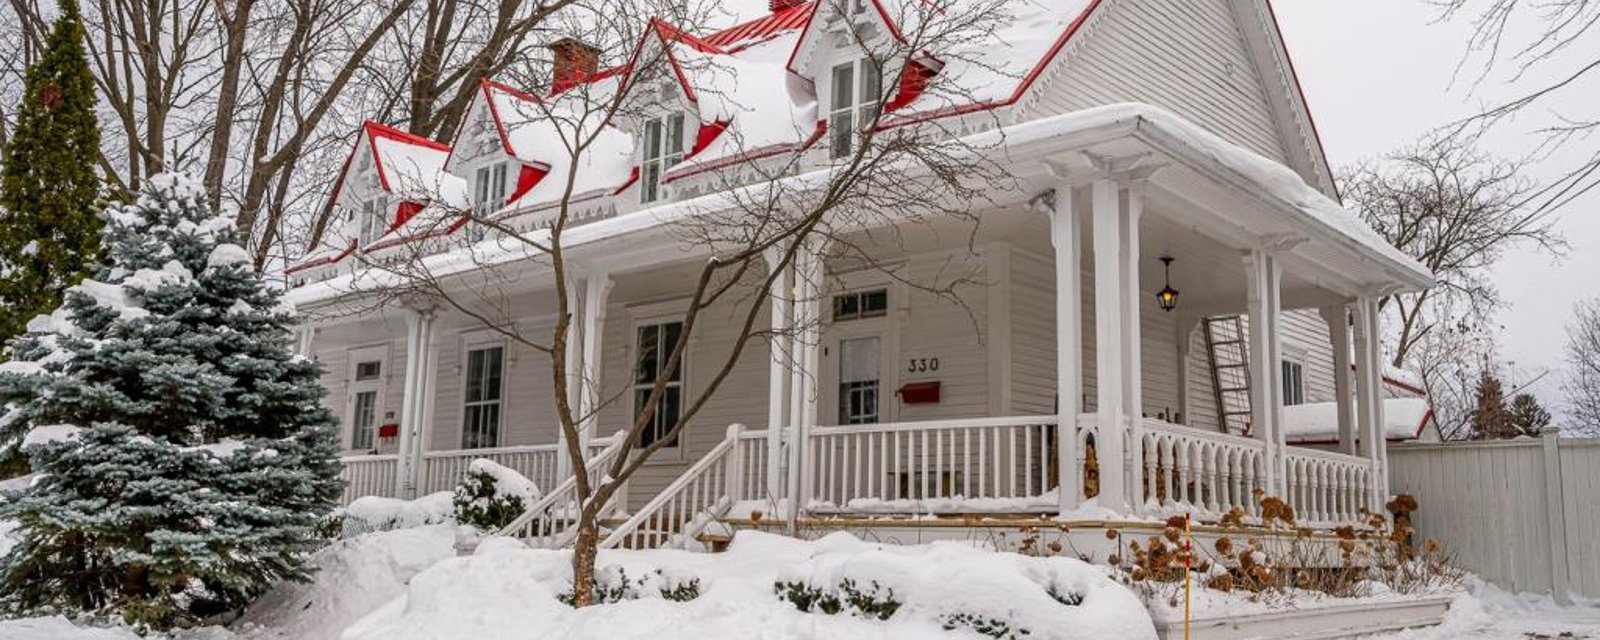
[735, 467]
[1560, 579]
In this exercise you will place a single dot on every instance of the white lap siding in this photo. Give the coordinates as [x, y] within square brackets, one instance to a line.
[527, 411]
[333, 349]
[1189, 56]
[1033, 342]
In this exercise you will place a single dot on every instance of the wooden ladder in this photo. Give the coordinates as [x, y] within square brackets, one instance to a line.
[1229, 357]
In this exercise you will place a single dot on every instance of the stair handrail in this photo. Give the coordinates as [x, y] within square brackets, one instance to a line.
[706, 463]
[567, 490]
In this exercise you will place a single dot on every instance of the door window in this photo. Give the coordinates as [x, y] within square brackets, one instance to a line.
[860, 371]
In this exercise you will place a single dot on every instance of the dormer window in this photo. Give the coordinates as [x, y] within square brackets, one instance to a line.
[374, 221]
[490, 185]
[856, 86]
[663, 148]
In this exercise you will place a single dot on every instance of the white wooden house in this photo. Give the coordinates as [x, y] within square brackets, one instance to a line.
[1060, 378]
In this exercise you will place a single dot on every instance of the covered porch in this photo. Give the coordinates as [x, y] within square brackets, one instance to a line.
[1096, 209]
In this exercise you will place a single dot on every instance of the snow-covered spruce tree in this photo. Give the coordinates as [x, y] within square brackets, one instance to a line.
[185, 453]
[49, 233]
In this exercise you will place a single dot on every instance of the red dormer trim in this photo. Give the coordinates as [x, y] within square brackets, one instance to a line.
[913, 81]
[1022, 89]
[404, 213]
[706, 134]
[526, 179]
[494, 112]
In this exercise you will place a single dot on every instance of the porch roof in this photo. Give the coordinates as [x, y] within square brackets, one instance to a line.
[641, 238]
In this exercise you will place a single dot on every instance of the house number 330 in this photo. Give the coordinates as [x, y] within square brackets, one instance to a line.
[923, 365]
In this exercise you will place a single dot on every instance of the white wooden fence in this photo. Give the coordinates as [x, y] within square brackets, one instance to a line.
[1524, 514]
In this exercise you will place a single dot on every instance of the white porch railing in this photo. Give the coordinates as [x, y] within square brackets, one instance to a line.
[732, 471]
[443, 470]
[370, 475]
[927, 466]
[1194, 470]
[1326, 487]
[547, 524]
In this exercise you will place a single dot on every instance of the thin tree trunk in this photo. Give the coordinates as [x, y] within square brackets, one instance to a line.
[234, 29]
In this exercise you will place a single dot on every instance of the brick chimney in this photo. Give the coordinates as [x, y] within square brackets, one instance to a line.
[779, 5]
[575, 61]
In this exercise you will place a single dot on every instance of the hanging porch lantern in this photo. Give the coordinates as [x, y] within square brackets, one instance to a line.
[1168, 297]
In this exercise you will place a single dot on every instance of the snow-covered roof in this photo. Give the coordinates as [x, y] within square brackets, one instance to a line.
[985, 60]
[741, 86]
[409, 168]
[1318, 422]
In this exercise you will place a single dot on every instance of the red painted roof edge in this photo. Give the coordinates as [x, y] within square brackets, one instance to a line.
[381, 130]
[1027, 81]
[753, 154]
[325, 260]
[1306, 104]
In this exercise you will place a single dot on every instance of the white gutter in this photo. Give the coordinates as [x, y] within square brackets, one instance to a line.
[1276, 185]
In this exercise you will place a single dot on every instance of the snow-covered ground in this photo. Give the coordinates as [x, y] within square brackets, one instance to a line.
[1490, 613]
[409, 585]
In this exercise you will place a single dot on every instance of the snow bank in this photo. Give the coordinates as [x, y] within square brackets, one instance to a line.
[376, 513]
[353, 578]
[507, 592]
[58, 628]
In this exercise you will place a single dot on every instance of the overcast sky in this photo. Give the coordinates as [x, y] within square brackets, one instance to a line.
[1377, 74]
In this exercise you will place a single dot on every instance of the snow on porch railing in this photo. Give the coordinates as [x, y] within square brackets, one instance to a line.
[1194, 470]
[443, 470]
[547, 524]
[677, 515]
[988, 464]
[1326, 487]
[368, 476]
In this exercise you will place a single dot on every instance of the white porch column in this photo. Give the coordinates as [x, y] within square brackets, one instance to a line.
[597, 291]
[803, 372]
[573, 369]
[1185, 333]
[1110, 341]
[305, 342]
[781, 345]
[1338, 319]
[1266, 373]
[1369, 376]
[1065, 226]
[415, 403]
[1132, 335]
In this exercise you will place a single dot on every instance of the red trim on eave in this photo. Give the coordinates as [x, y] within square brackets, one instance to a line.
[1299, 88]
[1027, 81]
[322, 261]
[786, 19]
[381, 130]
[753, 154]
[372, 146]
[1403, 386]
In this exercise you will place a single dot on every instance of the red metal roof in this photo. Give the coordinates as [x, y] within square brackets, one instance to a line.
[761, 28]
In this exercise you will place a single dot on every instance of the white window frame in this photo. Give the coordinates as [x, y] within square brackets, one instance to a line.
[1293, 373]
[491, 185]
[354, 387]
[655, 315]
[661, 148]
[846, 115]
[373, 219]
[467, 349]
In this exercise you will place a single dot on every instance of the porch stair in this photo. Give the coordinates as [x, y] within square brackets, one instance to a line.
[695, 501]
[551, 522]
[1227, 354]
